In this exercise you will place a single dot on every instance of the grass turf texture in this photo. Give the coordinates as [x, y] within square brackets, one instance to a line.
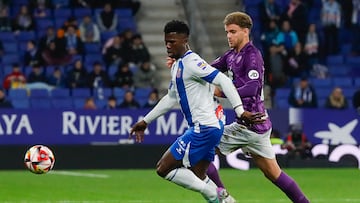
[144, 186]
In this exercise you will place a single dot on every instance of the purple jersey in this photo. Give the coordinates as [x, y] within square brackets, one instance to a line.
[246, 69]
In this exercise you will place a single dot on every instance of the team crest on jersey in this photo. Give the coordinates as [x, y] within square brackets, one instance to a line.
[253, 74]
[178, 73]
[201, 65]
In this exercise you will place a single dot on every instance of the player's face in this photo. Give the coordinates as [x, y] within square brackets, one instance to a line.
[236, 36]
[175, 44]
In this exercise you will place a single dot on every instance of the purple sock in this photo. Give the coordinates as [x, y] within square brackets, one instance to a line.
[290, 188]
[214, 175]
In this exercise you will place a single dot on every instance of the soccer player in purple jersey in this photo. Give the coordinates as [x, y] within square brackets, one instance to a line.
[245, 66]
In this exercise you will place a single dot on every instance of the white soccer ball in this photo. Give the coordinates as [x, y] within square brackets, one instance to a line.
[39, 159]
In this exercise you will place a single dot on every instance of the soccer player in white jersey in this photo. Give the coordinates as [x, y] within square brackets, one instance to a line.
[186, 161]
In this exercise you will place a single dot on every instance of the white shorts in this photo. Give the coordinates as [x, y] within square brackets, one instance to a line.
[237, 136]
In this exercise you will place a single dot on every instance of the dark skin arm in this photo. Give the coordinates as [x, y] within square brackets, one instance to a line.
[137, 130]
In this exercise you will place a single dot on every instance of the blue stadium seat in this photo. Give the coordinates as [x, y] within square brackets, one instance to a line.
[349, 92]
[81, 92]
[253, 11]
[112, 70]
[119, 92]
[339, 70]
[357, 82]
[62, 103]
[25, 36]
[39, 93]
[91, 58]
[316, 82]
[59, 22]
[7, 69]
[10, 47]
[62, 13]
[124, 12]
[20, 103]
[126, 23]
[9, 59]
[282, 103]
[101, 103]
[343, 82]
[40, 103]
[60, 93]
[353, 61]
[322, 102]
[7, 37]
[105, 93]
[334, 60]
[43, 23]
[141, 93]
[78, 103]
[18, 94]
[282, 93]
[251, 2]
[323, 93]
[81, 12]
[92, 48]
[107, 35]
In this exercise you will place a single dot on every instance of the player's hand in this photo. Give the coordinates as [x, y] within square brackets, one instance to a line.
[138, 130]
[252, 118]
[169, 61]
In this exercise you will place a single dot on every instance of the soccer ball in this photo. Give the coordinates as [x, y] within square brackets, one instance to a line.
[39, 159]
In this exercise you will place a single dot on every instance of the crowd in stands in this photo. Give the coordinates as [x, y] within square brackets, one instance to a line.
[311, 51]
[75, 44]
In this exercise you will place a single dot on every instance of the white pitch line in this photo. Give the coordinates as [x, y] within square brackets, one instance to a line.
[89, 175]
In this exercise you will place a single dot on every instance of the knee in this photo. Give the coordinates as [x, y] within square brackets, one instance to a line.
[160, 170]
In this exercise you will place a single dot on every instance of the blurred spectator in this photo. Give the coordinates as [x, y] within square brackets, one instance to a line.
[336, 100]
[116, 54]
[331, 21]
[81, 3]
[356, 100]
[55, 53]
[153, 99]
[355, 28]
[45, 40]
[77, 76]
[303, 95]
[123, 77]
[57, 78]
[287, 37]
[98, 77]
[138, 52]
[74, 44]
[90, 104]
[107, 19]
[296, 63]
[275, 137]
[61, 4]
[1, 50]
[5, 20]
[312, 43]
[297, 144]
[129, 101]
[269, 11]
[296, 14]
[15, 79]
[40, 8]
[89, 31]
[111, 103]
[32, 54]
[71, 21]
[4, 103]
[36, 75]
[268, 37]
[23, 21]
[128, 35]
[145, 76]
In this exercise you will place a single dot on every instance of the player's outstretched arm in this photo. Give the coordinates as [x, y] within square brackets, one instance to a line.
[138, 130]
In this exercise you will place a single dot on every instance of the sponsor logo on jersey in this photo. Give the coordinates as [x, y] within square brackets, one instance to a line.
[253, 74]
[202, 65]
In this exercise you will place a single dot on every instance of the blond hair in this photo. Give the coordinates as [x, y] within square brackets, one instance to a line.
[241, 19]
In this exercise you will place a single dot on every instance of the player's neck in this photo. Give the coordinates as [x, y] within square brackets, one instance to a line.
[242, 45]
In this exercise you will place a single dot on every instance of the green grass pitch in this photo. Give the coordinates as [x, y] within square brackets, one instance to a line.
[144, 186]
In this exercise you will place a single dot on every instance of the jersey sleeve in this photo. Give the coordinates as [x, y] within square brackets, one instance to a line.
[201, 69]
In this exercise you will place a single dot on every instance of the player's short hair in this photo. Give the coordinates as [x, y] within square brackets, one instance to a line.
[177, 26]
[241, 19]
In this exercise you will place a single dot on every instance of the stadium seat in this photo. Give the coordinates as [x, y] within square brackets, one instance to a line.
[282, 103]
[10, 47]
[62, 103]
[40, 103]
[39, 93]
[59, 22]
[91, 58]
[7, 69]
[316, 82]
[119, 92]
[18, 94]
[112, 70]
[20, 103]
[81, 93]
[92, 48]
[81, 12]
[353, 61]
[126, 23]
[104, 93]
[25, 36]
[349, 92]
[322, 102]
[251, 2]
[62, 13]
[107, 35]
[60, 93]
[101, 103]
[282, 93]
[141, 93]
[124, 12]
[78, 103]
[339, 70]
[7, 37]
[357, 82]
[334, 60]
[43, 23]
[9, 59]
[343, 82]
[323, 93]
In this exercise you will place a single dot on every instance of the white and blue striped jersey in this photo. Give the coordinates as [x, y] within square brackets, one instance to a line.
[190, 85]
